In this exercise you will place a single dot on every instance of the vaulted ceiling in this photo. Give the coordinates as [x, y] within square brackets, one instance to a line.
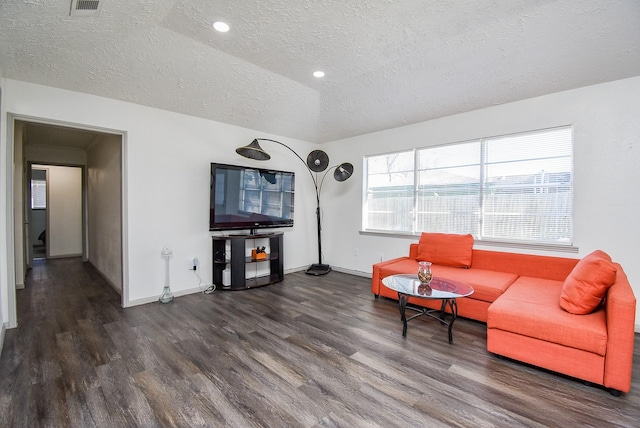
[387, 62]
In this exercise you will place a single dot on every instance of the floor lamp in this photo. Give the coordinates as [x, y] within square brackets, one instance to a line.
[317, 161]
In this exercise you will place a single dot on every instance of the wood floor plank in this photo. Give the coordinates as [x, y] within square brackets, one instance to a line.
[99, 345]
[127, 404]
[306, 352]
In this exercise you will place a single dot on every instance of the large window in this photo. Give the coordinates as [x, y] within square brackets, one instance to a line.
[509, 188]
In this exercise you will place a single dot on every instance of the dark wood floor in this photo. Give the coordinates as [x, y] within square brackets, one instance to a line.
[307, 352]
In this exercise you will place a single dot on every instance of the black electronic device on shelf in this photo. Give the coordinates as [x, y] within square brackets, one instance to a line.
[250, 198]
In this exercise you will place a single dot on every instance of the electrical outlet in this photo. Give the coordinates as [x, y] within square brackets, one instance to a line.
[356, 252]
[193, 264]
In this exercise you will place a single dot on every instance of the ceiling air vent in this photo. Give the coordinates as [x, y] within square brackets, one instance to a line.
[85, 7]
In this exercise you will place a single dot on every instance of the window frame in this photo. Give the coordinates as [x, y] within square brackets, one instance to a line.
[482, 161]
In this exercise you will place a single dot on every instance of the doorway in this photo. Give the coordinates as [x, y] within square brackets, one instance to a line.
[56, 221]
[99, 156]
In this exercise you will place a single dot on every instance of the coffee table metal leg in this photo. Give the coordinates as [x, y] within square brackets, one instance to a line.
[453, 305]
[402, 300]
[443, 309]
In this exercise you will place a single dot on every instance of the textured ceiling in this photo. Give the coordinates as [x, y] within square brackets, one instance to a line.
[388, 62]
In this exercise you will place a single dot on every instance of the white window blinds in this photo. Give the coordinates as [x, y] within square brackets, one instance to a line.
[38, 194]
[509, 188]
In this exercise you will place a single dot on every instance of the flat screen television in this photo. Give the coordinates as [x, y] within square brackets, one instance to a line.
[250, 198]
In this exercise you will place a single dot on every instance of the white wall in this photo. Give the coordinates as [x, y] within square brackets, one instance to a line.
[167, 159]
[64, 206]
[606, 166]
[104, 189]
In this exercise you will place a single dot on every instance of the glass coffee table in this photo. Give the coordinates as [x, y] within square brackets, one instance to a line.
[439, 289]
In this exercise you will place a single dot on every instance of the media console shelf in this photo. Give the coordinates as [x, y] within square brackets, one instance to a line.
[271, 269]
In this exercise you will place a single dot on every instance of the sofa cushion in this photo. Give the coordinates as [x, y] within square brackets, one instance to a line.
[587, 284]
[406, 265]
[446, 249]
[487, 285]
[530, 308]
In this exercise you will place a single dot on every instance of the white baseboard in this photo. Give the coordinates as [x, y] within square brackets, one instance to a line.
[64, 256]
[297, 269]
[353, 272]
[155, 299]
[118, 290]
[337, 269]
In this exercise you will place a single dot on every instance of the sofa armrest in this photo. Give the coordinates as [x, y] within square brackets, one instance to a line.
[376, 280]
[413, 251]
[621, 311]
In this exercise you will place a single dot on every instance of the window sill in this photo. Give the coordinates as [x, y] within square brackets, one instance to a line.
[484, 243]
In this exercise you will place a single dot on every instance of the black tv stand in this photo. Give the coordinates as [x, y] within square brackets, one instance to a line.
[230, 252]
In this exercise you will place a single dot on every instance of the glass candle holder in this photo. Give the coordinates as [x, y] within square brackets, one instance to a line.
[424, 272]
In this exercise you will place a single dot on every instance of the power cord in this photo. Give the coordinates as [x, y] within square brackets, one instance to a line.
[205, 287]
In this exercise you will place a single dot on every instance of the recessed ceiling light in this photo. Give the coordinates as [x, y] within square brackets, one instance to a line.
[223, 27]
[318, 74]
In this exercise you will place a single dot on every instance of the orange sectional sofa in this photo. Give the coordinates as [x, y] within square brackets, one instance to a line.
[529, 305]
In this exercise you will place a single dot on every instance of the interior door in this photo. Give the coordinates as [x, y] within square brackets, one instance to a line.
[64, 211]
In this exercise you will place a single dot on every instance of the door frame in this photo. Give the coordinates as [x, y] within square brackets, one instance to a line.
[11, 223]
[83, 196]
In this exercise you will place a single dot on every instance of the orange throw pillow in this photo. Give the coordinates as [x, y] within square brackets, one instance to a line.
[587, 284]
[446, 249]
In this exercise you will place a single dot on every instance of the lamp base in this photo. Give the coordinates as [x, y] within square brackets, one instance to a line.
[318, 269]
